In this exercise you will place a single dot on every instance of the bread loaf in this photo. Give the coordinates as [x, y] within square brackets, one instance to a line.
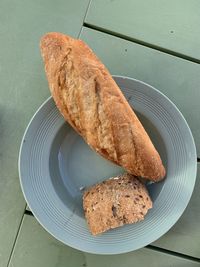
[115, 202]
[90, 100]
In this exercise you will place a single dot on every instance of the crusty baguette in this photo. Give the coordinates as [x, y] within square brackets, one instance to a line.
[90, 100]
[115, 202]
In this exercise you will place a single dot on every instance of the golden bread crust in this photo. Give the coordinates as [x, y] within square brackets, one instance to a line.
[90, 100]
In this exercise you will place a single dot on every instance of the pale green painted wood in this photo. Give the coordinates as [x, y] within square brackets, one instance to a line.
[172, 24]
[184, 237]
[35, 247]
[23, 88]
[177, 78]
[140, 258]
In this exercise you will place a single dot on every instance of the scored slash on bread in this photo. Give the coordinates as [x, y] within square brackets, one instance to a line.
[115, 202]
[90, 100]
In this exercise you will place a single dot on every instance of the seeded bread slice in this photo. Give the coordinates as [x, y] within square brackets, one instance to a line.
[115, 202]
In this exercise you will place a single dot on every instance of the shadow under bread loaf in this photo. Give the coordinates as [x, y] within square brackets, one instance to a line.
[90, 100]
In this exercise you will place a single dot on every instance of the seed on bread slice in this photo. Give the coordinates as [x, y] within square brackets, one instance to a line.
[117, 201]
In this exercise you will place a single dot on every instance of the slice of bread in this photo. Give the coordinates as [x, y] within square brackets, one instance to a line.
[117, 201]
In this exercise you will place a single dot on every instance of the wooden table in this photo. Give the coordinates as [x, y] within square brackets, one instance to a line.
[155, 41]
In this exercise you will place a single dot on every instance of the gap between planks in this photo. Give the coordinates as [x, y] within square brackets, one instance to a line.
[173, 253]
[84, 18]
[140, 42]
[19, 228]
[28, 212]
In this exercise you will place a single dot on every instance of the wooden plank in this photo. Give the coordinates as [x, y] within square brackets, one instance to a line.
[23, 88]
[184, 237]
[35, 247]
[142, 257]
[171, 25]
[177, 78]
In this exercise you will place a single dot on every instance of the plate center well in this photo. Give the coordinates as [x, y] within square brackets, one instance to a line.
[74, 165]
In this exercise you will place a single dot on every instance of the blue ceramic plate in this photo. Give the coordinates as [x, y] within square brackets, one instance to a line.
[55, 163]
